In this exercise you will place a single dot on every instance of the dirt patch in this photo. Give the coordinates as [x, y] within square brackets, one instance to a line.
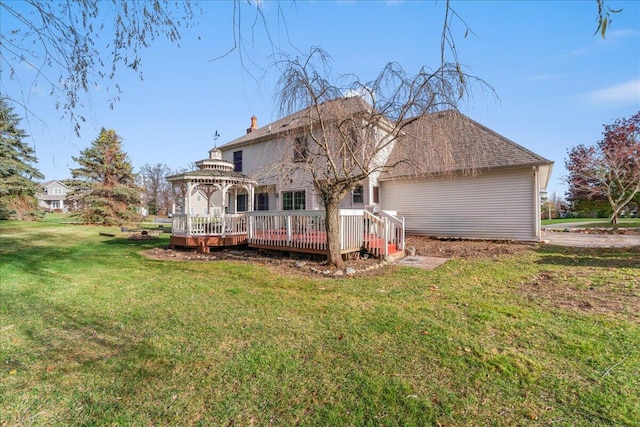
[576, 291]
[282, 262]
[466, 249]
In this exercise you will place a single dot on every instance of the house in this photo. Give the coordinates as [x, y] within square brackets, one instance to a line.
[482, 185]
[489, 189]
[52, 196]
[263, 152]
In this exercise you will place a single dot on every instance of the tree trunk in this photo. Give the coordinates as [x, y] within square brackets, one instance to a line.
[332, 225]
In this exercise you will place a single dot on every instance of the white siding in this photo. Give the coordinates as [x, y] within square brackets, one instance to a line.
[57, 189]
[256, 157]
[199, 207]
[347, 201]
[263, 161]
[494, 205]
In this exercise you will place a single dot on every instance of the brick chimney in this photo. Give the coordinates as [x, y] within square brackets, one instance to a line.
[254, 124]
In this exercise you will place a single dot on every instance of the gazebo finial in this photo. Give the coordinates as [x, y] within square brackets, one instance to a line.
[215, 139]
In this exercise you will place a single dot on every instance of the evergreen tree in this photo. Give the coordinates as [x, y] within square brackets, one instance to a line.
[104, 184]
[17, 174]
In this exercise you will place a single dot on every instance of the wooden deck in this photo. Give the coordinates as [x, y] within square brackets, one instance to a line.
[290, 231]
[204, 243]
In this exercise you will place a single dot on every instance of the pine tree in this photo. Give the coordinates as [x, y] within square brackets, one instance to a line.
[17, 174]
[104, 184]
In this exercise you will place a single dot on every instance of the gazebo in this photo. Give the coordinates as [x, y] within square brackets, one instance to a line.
[221, 225]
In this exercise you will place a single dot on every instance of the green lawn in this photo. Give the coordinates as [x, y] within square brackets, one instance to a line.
[92, 333]
[596, 222]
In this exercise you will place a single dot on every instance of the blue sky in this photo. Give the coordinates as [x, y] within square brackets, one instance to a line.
[557, 83]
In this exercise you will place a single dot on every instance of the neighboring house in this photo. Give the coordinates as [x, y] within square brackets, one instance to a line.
[52, 196]
[492, 192]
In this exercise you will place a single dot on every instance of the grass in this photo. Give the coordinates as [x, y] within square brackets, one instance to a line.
[595, 222]
[93, 333]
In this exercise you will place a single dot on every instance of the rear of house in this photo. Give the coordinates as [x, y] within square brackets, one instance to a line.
[488, 188]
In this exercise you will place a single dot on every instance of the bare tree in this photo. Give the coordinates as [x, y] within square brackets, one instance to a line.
[557, 202]
[157, 190]
[338, 142]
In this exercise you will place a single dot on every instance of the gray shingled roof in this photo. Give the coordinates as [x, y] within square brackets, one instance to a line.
[469, 146]
[294, 122]
[47, 183]
[449, 142]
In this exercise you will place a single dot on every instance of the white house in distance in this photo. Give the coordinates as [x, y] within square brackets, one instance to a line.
[52, 196]
[491, 192]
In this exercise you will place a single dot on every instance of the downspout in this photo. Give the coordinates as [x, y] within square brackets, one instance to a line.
[536, 204]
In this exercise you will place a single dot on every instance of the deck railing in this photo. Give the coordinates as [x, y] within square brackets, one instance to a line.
[303, 230]
[209, 225]
[395, 229]
[292, 229]
[351, 230]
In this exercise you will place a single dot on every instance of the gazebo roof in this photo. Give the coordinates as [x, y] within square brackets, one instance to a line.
[213, 170]
[208, 173]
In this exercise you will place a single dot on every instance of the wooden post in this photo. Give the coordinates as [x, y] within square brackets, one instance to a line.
[187, 204]
[385, 241]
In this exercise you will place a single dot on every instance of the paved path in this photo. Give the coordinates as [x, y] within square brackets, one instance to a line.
[424, 262]
[585, 240]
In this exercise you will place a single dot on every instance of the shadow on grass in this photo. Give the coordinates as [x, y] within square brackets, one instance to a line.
[590, 257]
[141, 244]
[48, 259]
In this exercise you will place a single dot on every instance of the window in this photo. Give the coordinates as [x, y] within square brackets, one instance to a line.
[57, 191]
[55, 205]
[358, 194]
[241, 205]
[300, 149]
[237, 161]
[376, 194]
[199, 198]
[262, 202]
[293, 200]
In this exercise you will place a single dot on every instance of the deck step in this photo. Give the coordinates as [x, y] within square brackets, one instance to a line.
[376, 244]
[396, 254]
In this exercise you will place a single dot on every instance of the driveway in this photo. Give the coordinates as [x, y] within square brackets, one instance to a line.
[586, 240]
